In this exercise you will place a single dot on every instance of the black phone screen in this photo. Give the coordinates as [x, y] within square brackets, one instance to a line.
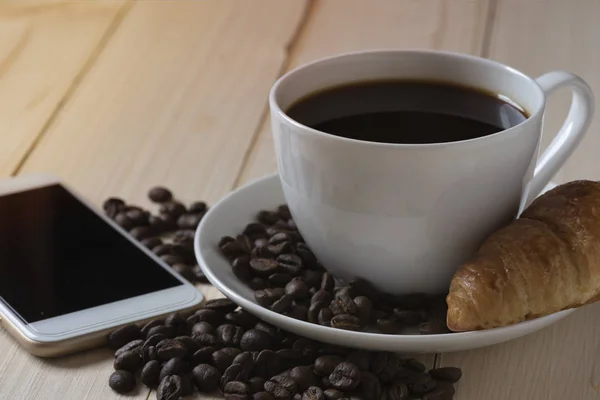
[57, 256]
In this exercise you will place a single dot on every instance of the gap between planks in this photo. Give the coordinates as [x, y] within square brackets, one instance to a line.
[87, 66]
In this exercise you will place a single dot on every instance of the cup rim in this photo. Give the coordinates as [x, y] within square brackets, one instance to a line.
[304, 129]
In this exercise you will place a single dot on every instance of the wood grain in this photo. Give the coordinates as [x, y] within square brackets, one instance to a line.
[173, 99]
[45, 47]
[338, 26]
[560, 362]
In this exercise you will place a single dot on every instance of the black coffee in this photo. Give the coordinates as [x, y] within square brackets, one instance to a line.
[406, 111]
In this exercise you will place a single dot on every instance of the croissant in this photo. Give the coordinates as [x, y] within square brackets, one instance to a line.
[545, 261]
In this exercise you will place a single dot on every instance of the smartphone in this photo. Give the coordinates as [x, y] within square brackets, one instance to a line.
[69, 275]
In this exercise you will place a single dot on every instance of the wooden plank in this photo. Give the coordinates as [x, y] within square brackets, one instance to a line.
[44, 49]
[173, 99]
[338, 26]
[537, 37]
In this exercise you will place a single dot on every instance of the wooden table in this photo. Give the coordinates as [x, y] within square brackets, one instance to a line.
[118, 96]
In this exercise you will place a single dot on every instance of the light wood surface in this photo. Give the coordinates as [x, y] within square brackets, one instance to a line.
[118, 96]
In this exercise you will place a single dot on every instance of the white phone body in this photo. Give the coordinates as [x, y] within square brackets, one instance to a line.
[89, 327]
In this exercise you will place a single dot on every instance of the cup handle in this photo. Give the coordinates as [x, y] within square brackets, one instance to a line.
[570, 134]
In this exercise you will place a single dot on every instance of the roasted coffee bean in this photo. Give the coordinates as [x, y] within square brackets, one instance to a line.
[171, 259]
[188, 221]
[255, 340]
[279, 238]
[313, 393]
[262, 396]
[262, 251]
[112, 206]
[264, 267]
[222, 359]
[308, 258]
[324, 365]
[207, 315]
[345, 291]
[443, 390]
[343, 304]
[206, 378]
[276, 335]
[134, 345]
[172, 208]
[149, 353]
[312, 278]
[204, 355]
[297, 289]
[325, 384]
[150, 373]
[365, 306]
[370, 386]
[199, 274]
[279, 279]
[283, 304]
[160, 225]
[255, 230]
[333, 394]
[235, 372]
[408, 317]
[267, 364]
[122, 381]
[414, 365]
[433, 327]
[206, 339]
[292, 224]
[267, 217]
[385, 365]
[123, 221]
[327, 282]
[198, 207]
[397, 390]
[346, 376]
[150, 325]
[151, 242]
[258, 283]
[159, 194]
[241, 268]
[325, 316]
[389, 325]
[268, 296]
[261, 242]
[347, 322]
[203, 327]
[141, 232]
[162, 249]
[174, 366]
[421, 384]
[138, 217]
[170, 388]
[448, 374]
[229, 335]
[322, 295]
[230, 247]
[281, 387]
[170, 348]
[283, 211]
[236, 390]
[290, 263]
[129, 361]
[304, 377]
[280, 248]
[124, 335]
[222, 305]
[245, 360]
[299, 312]
[184, 270]
[256, 384]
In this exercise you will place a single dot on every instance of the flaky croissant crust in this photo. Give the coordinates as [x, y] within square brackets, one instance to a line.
[546, 261]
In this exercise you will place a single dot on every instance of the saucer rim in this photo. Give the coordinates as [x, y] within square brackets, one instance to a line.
[319, 330]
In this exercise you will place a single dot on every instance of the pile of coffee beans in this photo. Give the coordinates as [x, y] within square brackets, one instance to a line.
[222, 348]
[271, 257]
[169, 233]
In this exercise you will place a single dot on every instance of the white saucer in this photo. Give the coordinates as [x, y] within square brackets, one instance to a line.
[236, 210]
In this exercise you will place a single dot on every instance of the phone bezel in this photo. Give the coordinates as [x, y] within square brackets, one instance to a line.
[102, 317]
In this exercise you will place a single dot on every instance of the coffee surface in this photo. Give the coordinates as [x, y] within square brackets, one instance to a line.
[406, 111]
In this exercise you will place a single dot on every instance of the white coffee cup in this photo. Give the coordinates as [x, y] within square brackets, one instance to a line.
[405, 216]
